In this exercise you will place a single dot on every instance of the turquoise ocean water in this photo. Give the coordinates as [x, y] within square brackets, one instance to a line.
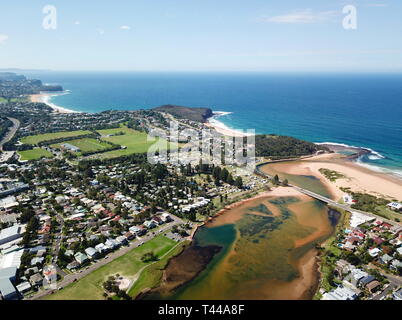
[362, 110]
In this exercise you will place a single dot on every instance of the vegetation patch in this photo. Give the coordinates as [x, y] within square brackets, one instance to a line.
[34, 154]
[331, 175]
[36, 139]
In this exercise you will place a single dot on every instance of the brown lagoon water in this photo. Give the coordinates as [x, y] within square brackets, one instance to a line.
[267, 252]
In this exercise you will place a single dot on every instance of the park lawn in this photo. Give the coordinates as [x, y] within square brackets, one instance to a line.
[151, 276]
[51, 136]
[90, 287]
[34, 154]
[134, 141]
[86, 144]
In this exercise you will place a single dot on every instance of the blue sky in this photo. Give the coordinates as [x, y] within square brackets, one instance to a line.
[202, 35]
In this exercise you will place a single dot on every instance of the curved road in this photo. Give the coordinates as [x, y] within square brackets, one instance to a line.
[11, 132]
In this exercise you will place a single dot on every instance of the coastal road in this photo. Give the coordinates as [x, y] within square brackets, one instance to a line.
[11, 132]
[70, 278]
[5, 155]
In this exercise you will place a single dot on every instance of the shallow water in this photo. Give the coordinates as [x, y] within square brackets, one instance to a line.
[305, 181]
[264, 255]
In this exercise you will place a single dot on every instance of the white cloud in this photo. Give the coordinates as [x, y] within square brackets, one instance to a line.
[304, 16]
[3, 38]
[125, 27]
[101, 31]
[77, 23]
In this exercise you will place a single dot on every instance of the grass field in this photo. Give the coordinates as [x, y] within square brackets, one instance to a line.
[86, 145]
[34, 154]
[150, 277]
[134, 141]
[128, 265]
[51, 136]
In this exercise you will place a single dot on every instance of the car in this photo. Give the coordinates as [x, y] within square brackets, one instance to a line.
[106, 257]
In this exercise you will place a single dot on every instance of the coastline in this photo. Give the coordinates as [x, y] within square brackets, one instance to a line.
[356, 177]
[45, 97]
[221, 128]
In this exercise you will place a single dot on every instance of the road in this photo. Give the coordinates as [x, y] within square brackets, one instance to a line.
[70, 278]
[394, 282]
[10, 134]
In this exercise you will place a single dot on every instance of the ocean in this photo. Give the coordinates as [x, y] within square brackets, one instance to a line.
[362, 110]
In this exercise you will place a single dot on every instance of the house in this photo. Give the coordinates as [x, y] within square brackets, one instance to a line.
[385, 259]
[73, 265]
[69, 253]
[373, 286]
[24, 287]
[150, 224]
[81, 257]
[112, 244]
[378, 240]
[356, 275]
[7, 278]
[70, 147]
[342, 267]
[340, 293]
[397, 295]
[348, 199]
[395, 206]
[134, 229]
[129, 236]
[101, 248]
[36, 279]
[36, 260]
[374, 252]
[396, 264]
[121, 240]
[166, 217]
[157, 220]
[91, 253]
[366, 280]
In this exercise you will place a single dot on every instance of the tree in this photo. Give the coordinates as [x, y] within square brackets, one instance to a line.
[239, 182]
[285, 183]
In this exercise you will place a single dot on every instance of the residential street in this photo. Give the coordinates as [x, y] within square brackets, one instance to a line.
[111, 256]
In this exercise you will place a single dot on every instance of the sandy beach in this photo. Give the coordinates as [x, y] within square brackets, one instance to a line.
[222, 128]
[45, 98]
[356, 177]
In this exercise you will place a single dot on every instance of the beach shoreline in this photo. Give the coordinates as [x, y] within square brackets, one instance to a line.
[221, 128]
[45, 97]
[355, 176]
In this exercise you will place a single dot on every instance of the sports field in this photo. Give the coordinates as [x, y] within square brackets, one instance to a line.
[128, 265]
[86, 144]
[34, 154]
[134, 141]
[51, 136]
